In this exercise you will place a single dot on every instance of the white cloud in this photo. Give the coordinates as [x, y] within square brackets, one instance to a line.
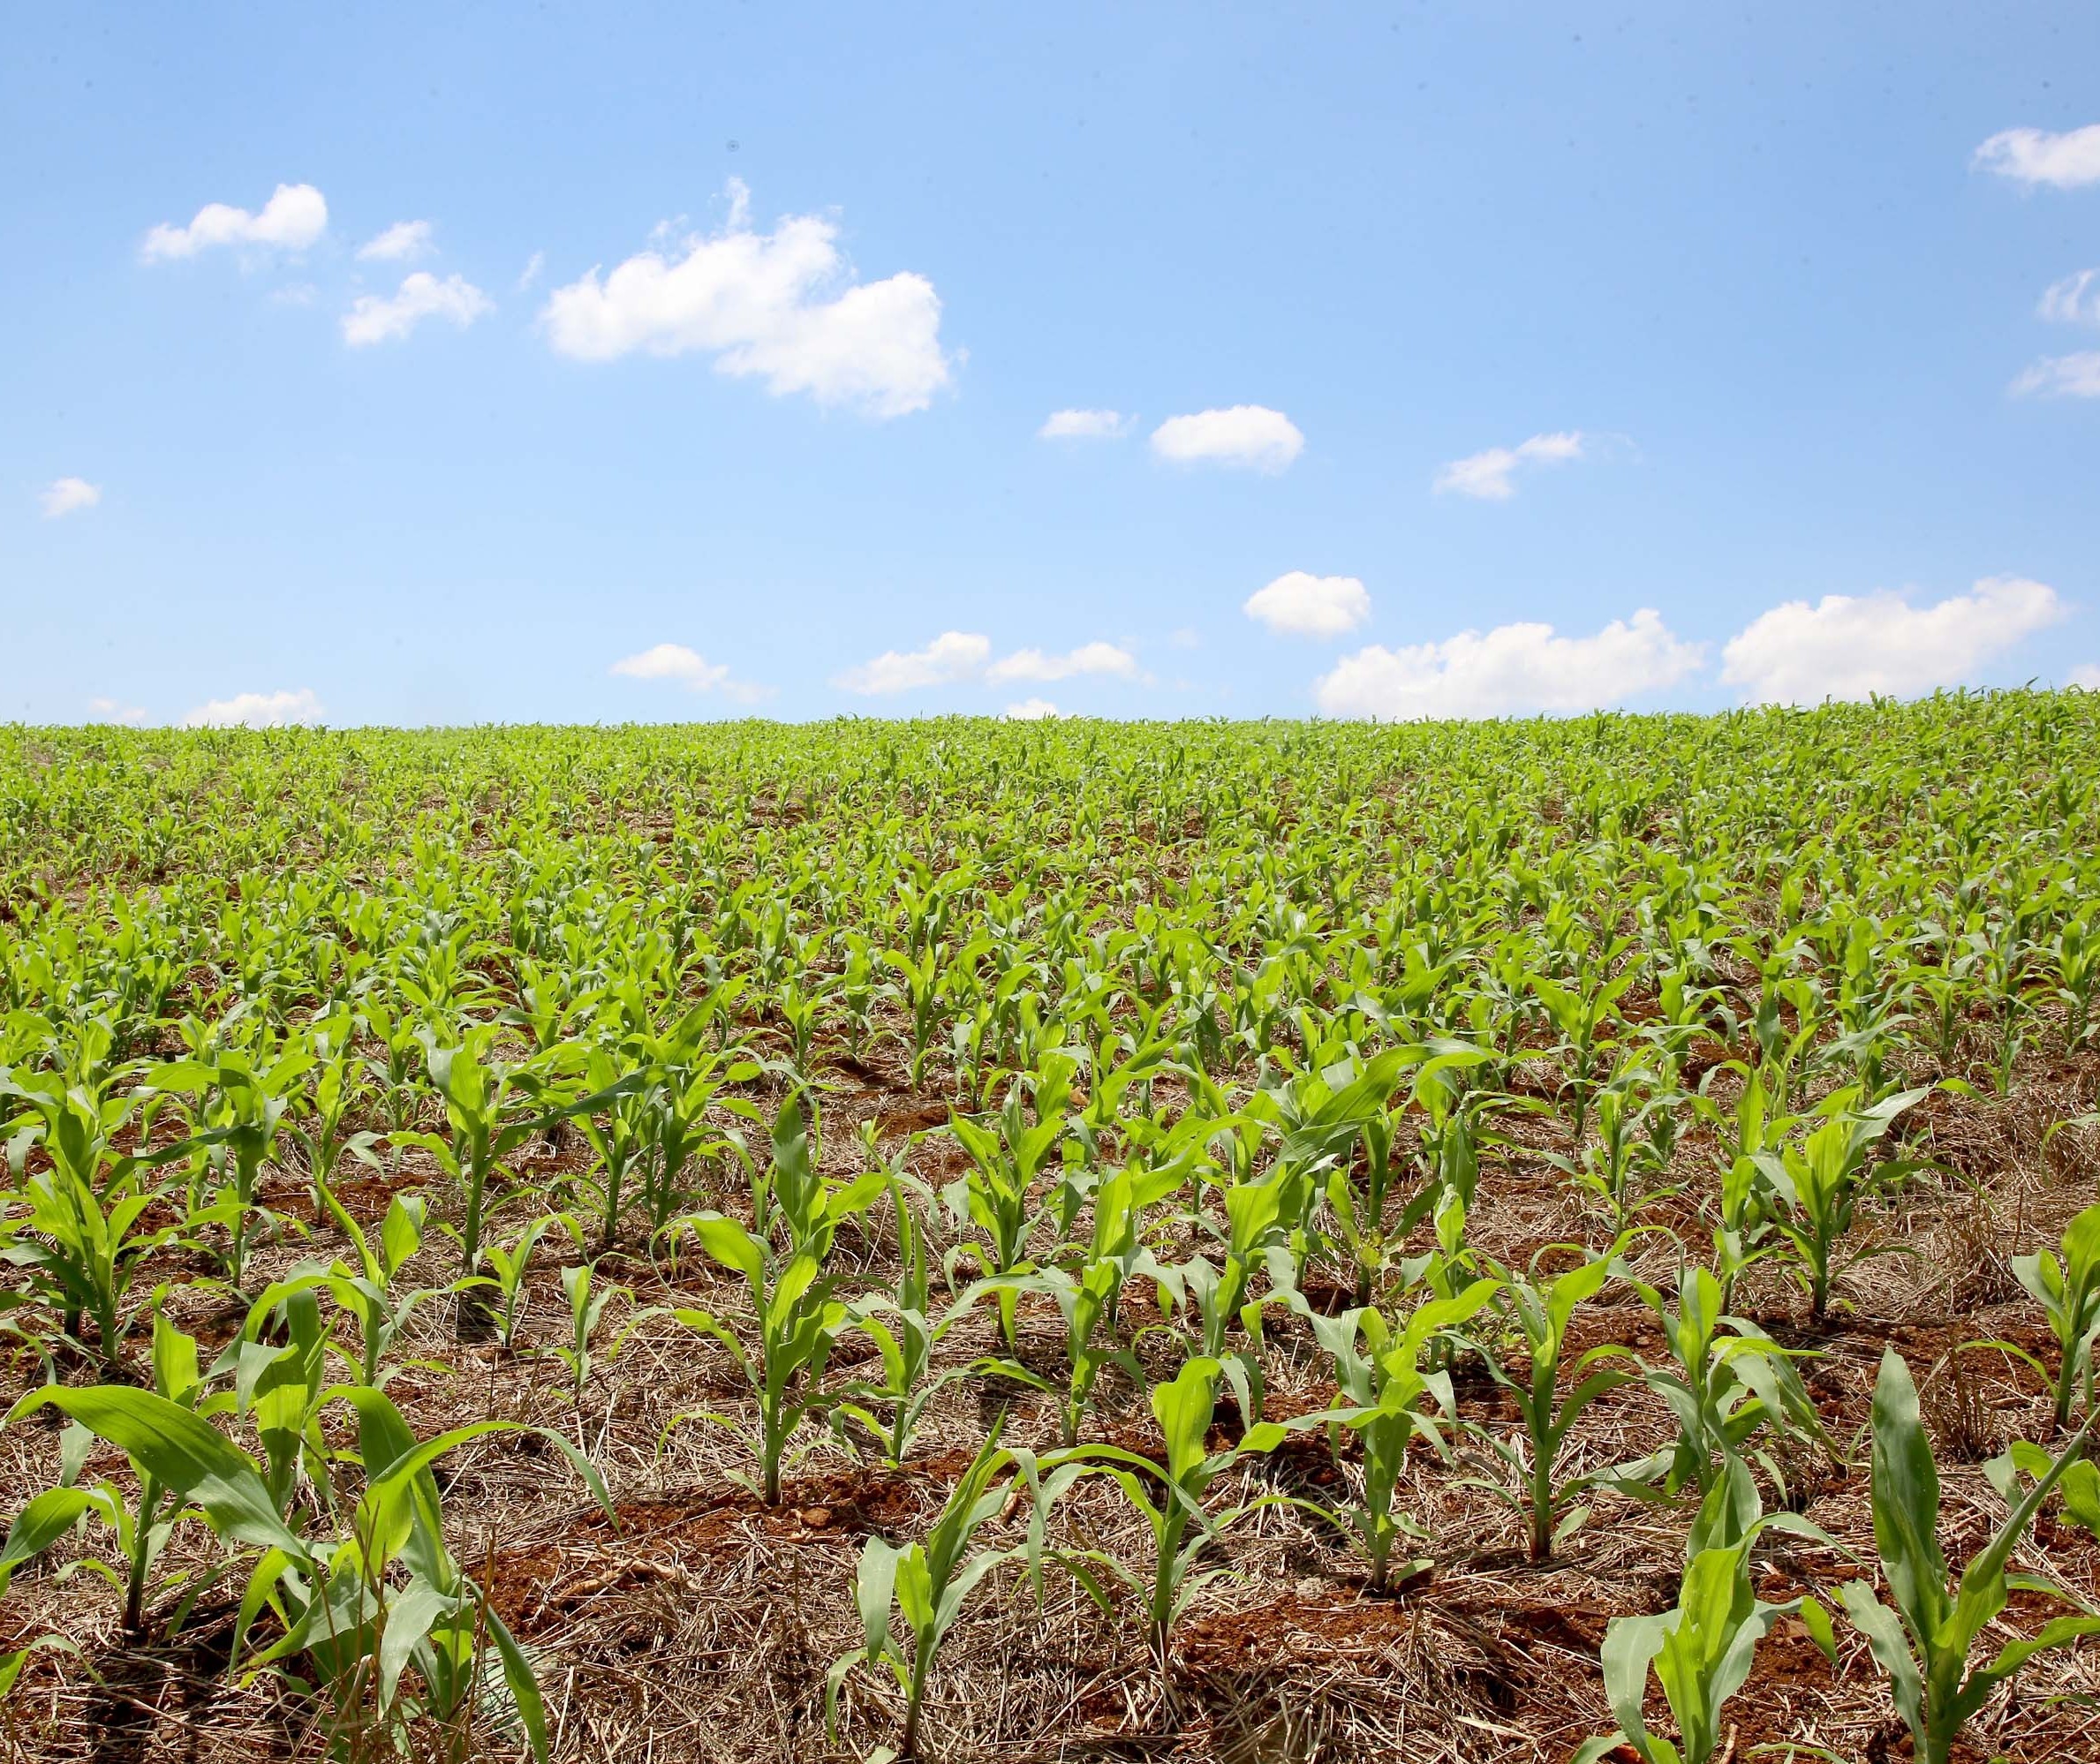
[109, 710]
[255, 711]
[1185, 636]
[403, 242]
[2067, 301]
[2087, 674]
[955, 657]
[1089, 657]
[781, 306]
[1487, 474]
[1310, 606]
[1510, 670]
[1247, 434]
[534, 264]
[374, 318]
[1085, 425]
[689, 668]
[1850, 645]
[1030, 710]
[673, 661]
[952, 656]
[67, 496]
[2062, 376]
[2031, 156]
[291, 220]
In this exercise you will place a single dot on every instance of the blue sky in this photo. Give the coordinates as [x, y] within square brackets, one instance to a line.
[1534, 357]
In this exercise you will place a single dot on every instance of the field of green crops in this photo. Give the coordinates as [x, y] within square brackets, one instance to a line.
[1255, 1242]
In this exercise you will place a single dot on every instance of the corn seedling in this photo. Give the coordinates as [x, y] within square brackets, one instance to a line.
[2068, 1288]
[1382, 1387]
[1540, 1310]
[1820, 1186]
[926, 1584]
[1923, 1646]
[797, 1320]
[1700, 1651]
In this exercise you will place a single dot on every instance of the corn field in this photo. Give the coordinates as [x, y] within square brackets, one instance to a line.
[1254, 1242]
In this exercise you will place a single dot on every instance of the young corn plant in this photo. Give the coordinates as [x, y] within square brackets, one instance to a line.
[340, 1086]
[1169, 1497]
[1618, 1164]
[84, 1236]
[618, 1137]
[1700, 1651]
[1727, 1380]
[1361, 1208]
[1527, 1468]
[582, 1354]
[1382, 1387]
[917, 988]
[2067, 1285]
[1741, 1228]
[796, 1191]
[396, 1066]
[1088, 1295]
[687, 1080]
[1318, 1113]
[905, 1329]
[480, 1090]
[369, 1291]
[282, 1386]
[484, 1129]
[796, 1321]
[2077, 951]
[1255, 1232]
[245, 1093]
[386, 1595]
[1819, 1185]
[1923, 1646]
[1084, 1301]
[140, 1526]
[1008, 1155]
[926, 1584]
[510, 1263]
[1582, 1013]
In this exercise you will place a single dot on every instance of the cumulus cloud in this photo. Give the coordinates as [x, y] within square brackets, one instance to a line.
[2061, 376]
[2031, 156]
[1085, 425]
[256, 710]
[1030, 710]
[109, 710]
[1250, 435]
[1089, 657]
[403, 242]
[958, 656]
[1310, 606]
[2075, 300]
[375, 317]
[68, 495]
[781, 306]
[2087, 674]
[682, 666]
[1511, 670]
[291, 220]
[952, 656]
[1850, 645]
[1487, 474]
